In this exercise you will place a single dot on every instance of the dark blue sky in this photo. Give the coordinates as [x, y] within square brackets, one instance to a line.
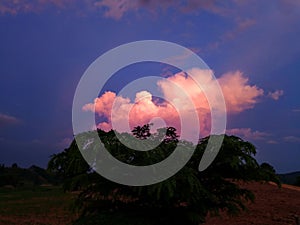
[45, 47]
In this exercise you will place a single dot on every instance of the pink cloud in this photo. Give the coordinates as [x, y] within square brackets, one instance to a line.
[116, 8]
[248, 134]
[8, 120]
[14, 7]
[239, 95]
[123, 114]
[276, 94]
[102, 105]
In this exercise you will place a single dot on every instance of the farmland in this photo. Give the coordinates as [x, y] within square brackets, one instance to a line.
[51, 206]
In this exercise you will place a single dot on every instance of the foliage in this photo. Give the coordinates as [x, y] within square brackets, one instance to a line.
[267, 172]
[21, 177]
[185, 198]
[70, 167]
[142, 132]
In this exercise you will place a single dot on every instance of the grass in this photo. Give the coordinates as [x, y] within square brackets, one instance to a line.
[52, 206]
[38, 205]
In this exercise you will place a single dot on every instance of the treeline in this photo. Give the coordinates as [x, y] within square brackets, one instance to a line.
[14, 176]
[290, 178]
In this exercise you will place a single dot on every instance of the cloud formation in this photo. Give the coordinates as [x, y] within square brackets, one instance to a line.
[238, 95]
[248, 134]
[8, 120]
[119, 111]
[117, 8]
[28, 6]
[276, 94]
[292, 139]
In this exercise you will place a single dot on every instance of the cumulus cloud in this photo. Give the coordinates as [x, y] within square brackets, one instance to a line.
[102, 105]
[248, 133]
[276, 94]
[239, 95]
[182, 98]
[8, 120]
[125, 114]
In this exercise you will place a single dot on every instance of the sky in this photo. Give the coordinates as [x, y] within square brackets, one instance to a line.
[251, 46]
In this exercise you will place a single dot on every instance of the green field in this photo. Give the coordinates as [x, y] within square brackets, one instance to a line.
[35, 206]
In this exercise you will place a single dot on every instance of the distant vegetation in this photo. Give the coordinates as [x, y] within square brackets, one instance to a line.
[290, 178]
[15, 176]
[186, 198]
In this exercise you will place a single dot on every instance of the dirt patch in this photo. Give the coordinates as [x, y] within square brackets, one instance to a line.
[272, 206]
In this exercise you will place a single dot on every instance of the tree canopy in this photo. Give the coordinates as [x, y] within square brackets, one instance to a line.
[185, 198]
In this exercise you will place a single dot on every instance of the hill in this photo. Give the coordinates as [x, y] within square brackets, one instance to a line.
[289, 178]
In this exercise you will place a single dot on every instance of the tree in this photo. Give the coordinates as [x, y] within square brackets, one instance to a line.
[14, 165]
[142, 132]
[185, 198]
[2, 167]
[70, 167]
[267, 172]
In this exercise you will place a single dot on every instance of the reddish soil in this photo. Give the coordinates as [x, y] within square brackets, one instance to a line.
[272, 206]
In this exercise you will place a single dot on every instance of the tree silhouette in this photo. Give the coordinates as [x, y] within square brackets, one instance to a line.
[142, 132]
[185, 198]
[14, 165]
